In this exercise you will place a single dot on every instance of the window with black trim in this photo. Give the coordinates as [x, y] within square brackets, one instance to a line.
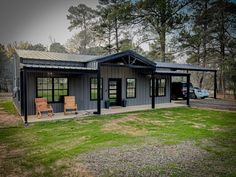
[93, 89]
[54, 89]
[159, 87]
[60, 88]
[130, 88]
[155, 88]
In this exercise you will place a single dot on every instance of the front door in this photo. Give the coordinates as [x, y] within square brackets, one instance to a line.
[114, 92]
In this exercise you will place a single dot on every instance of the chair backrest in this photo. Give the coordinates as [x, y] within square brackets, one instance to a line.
[69, 100]
[41, 103]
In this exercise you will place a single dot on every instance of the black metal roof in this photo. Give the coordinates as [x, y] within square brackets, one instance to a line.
[125, 53]
[53, 56]
[171, 73]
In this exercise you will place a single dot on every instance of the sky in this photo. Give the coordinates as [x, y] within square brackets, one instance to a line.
[36, 21]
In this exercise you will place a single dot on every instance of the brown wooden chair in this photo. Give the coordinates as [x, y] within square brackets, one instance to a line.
[70, 104]
[43, 106]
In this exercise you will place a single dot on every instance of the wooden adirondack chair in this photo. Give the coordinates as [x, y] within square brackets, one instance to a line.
[43, 106]
[69, 104]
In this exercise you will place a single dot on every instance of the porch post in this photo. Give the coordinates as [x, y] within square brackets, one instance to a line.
[153, 89]
[25, 96]
[215, 84]
[188, 84]
[99, 90]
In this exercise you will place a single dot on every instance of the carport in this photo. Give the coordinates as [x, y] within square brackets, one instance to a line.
[187, 67]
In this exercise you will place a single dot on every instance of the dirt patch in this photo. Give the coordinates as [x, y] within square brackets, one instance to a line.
[116, 126]
[7, 119]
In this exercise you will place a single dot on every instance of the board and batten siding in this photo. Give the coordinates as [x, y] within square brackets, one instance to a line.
[142, 85]
[79, 86]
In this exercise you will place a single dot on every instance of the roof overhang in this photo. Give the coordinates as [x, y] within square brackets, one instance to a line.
[185, 67]
[128, 53]
[49, 67]
[171, 73]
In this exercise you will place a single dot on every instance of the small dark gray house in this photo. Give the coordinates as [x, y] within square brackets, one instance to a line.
[124, 78]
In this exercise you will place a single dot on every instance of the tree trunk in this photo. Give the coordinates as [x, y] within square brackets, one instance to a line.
[163, 43]
[199, 63]
[201, 80]
[85, 35]
[109, 40]
[117, 37]
[204, 42]
[235, 90]
[222, 50]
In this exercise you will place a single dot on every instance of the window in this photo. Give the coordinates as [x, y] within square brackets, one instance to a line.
[130, 88]
[159, 87]
[54, 89]
[60, 88]
[155, 88]
[93, 88]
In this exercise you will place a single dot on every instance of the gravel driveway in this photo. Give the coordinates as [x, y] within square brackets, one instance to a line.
[211, 103]
[183, 159]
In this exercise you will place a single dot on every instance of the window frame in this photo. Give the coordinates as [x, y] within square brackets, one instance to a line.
[90, 88]
[156, 88]
[53, 100]
[135, 88]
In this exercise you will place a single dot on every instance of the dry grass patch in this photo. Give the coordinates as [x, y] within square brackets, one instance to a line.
[218, 129]
[198, 125]
[9, 159]
[115, 126]
[153, 122]
[7, 119]
[73, 168]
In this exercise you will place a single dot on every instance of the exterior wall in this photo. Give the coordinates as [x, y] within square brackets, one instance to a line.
[142, 85]
[79, 86]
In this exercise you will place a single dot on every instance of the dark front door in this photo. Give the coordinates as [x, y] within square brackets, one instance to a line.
[114, 92]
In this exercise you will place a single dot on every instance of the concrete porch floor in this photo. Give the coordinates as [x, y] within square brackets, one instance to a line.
[111, 110]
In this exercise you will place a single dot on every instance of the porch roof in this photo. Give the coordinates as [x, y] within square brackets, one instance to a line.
[56, 67]
[177, 66]
[171, 73]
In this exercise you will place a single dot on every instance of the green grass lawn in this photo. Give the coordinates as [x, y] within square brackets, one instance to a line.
[43, 145]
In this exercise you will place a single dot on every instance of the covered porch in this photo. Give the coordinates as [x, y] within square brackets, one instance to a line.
[112, 110]
[31, 74]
